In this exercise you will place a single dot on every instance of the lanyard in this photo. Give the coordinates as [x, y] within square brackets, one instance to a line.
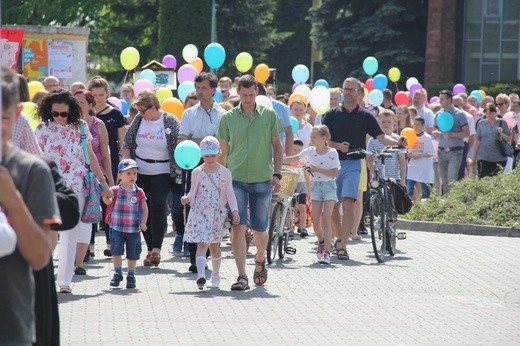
[208, 113]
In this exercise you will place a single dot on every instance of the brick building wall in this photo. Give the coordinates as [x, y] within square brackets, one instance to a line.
[440, 42]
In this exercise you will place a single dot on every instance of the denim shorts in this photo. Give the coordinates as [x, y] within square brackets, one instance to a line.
[324, 191]
[132, 241]
[348, 179]
[258, 197]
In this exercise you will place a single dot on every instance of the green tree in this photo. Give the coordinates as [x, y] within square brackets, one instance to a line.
[393, 31]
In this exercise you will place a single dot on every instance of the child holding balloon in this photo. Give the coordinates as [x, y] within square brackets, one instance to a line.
[420, 164]
[211, 189]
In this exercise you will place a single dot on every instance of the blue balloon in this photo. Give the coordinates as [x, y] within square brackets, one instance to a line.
[445, 122]
[214, 54]
[370, 65]
[217, 96]
[184, 89]
[300, 74]
[148, 75]
[187, 154]
[477, 95]
[295, 125]
[124, 106]
[322, 82]
[375, 97]
[380, 82]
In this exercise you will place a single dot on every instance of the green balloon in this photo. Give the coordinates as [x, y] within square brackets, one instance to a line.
[187, 154]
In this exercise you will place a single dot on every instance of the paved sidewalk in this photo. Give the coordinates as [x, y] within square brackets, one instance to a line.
[439, 289]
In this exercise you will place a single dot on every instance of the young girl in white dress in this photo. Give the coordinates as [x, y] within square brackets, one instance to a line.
[211, 189]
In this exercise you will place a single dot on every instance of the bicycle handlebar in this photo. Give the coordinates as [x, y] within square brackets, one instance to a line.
[386, 152]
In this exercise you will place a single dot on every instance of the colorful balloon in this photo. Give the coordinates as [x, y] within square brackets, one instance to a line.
[459, 89]
[173, 106]
[34, 87]
[189, 53]
[510, 119]
[300, 74]
[369, 84]
[434, 99]
[169, 61]
[477, 95]
[29, 108]
[214, 55]
[184, 89]
[294, 86]
[394, 74]
[124, 106]
[115, 102]
[370, 65]
[198, 64]
[187, 154]
[376, 97]
[380, 81]
[320, 98]
[322, 82]
[483, 93]
[304, 89]
[410, 135]
[295, 125]
[411, 81]
[129, 58]
[243, 62]
[445, 122]
[264, 101]
[187, 72]
[413, 88]
[149, 75]
[262, 73]
[401, 98]
[141, 85]
[163, 93]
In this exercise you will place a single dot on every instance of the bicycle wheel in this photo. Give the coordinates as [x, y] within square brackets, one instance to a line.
[274, 233]
[377, 227]
[284, 240]
[391, 232]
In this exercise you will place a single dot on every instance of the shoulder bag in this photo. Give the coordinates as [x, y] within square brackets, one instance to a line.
[505, 148]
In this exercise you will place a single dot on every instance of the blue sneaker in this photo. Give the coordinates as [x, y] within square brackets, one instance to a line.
[130, 281]
[177, 244]
[116, 279]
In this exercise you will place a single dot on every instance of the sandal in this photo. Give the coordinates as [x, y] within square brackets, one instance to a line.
[260, 277]
[342, 254]
[242, 284]
[335, 248]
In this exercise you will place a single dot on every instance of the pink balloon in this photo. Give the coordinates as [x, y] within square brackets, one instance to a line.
[187, 72]
[414, 88]
[294, 86]
[169, 61]
[116, 102]
[141, 85]
[434, 99]
[459, 89]
[509, 118]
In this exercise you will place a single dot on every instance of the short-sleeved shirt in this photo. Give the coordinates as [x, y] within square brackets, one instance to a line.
[32, 177]
[125, 215]
[23, 136]
[428, 116]
[250, 143]
[329, 160]
[392, 169]
[487, 135]
[113, 121]
[459, 121]
[352, 127]
[199, 123]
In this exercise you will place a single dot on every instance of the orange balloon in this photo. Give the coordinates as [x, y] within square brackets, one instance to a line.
[198, 64]
[298, 96]
[262, 73]
[410, 136]
[483, 93]
[173, 106]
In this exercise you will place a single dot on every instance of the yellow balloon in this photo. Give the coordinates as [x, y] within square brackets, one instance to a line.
[30, 109]
[34, 87]
[197, 62]
[163, 93]
[130, 58]
[243, 62]
[394, 74]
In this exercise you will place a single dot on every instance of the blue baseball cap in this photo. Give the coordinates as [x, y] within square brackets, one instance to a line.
[126, 164]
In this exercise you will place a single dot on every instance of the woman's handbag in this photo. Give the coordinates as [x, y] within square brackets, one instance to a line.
[505, 148]
[92, 189]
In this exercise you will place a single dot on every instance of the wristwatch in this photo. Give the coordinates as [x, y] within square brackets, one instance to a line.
[277, 175]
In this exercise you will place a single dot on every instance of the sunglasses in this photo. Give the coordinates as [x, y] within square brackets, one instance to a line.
[60, 114]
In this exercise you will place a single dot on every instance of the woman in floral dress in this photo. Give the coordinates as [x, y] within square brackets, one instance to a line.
[59, 136]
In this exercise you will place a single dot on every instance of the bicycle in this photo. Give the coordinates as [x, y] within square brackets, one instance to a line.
[281, 222]
[382, 213]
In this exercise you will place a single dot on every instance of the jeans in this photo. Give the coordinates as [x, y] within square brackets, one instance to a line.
[156, 189]
[449, 165]
[258, 197]
[410, 184]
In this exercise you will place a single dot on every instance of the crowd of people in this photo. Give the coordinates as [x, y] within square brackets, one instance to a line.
[243, 146]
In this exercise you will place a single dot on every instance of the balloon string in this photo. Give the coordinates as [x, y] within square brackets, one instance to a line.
[396, 86]
[185, 179]
[126, 76]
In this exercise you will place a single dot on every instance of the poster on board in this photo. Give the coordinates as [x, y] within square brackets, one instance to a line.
[35, 59]
[10, 46]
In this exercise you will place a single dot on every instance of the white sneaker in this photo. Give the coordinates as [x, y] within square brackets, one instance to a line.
[215, 282]
[319, 252]
[325, 258]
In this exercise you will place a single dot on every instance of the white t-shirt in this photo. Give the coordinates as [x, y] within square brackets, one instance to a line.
[304, 134]
[427, 114]
[152, 145]
[329, 160]
[421, 169]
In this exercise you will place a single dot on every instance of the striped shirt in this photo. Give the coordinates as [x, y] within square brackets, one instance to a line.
[391, 164]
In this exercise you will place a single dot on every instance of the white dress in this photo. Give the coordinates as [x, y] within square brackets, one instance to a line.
[206, 219]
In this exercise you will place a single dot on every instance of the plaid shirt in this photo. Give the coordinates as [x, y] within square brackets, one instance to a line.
[125, 215]
[24, 138]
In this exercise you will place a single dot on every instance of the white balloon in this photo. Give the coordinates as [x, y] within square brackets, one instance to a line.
[320, 97]
[304, 89]
[190, 53]
[264, 101]
[411, 81]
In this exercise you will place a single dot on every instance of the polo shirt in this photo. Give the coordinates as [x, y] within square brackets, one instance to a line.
[198, 123]
[250, 143]
[352, 127]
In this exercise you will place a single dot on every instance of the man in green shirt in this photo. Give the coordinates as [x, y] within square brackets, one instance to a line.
[249, 137]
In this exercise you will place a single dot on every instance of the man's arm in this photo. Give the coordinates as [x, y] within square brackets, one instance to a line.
[278, 159]
[224, 151]
[289, 140]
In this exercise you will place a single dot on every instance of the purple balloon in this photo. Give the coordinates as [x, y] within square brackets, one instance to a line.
[414, 88]
[434, 99]
[294, 86]
[459, 89]
[169, 61]
[187, 72]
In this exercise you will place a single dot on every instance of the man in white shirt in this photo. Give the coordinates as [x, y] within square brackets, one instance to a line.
[418, 102]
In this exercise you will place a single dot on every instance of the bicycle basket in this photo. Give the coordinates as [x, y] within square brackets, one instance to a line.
[289, 181]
